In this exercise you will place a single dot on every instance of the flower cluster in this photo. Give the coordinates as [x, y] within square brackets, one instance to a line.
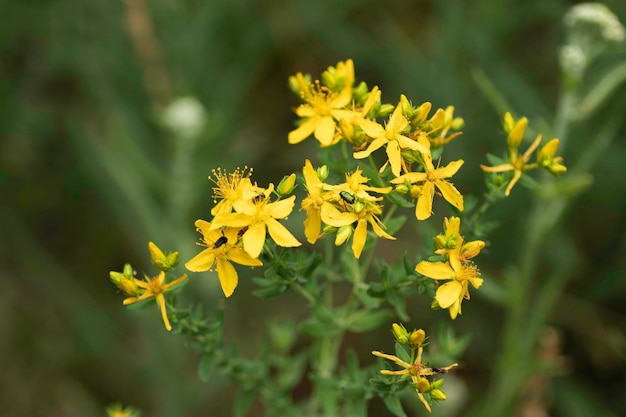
[411, 361]
[457, 268]
[341, 206]
[336, 111]
[153, 288]
[243, 215]
[517, 163]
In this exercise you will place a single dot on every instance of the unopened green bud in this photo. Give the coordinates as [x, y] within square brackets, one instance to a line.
[286, 185]
[329, 230]
[400, 333]
[128, 271]
[437, 394]
[417, 338]
[437, 384]
[360, 93]
[402, 189]
[322, 172]
[359, 206]
[115, 277]
[385, 110]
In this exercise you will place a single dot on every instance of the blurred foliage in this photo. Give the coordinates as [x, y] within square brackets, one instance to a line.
[88, 175]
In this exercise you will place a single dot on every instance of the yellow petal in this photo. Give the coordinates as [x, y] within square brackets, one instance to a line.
[450, 169]
[450, 193]
[411, 144]
[254, 239]
[449, 293]
[395, 159]
[454, 309]
[228, 276]
[160, 299]
[424, 207]
[376, 144]
[240, 256]
[313, 183]
[303, 131]
[435, 270]
[471, 249]
[397, 122]
[325, 130]
[282, 208]
[476, 282]
[514, 180]
[281, 235]
[231, 220]
[498, 168]
[379, 230]
[371, 128]
[202, 261]
[358, 240]
[411, 178]
[155, 253]
[333, 217]
[312, 225]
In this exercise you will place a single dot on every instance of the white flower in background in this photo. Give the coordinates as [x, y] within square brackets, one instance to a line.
[573, 60]
[596, 15]
[185, 116]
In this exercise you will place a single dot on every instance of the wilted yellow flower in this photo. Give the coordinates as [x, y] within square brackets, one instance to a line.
[390, 136]
[155, 287]
[417, 370]
[431, 178]
[222, 248]
[255, 217]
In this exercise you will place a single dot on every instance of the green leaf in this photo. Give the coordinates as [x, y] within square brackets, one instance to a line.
[395, 223]
[243, 402]
[364, 321]
[393, 404]
[205, 367]
[494, 160]
[399, 200]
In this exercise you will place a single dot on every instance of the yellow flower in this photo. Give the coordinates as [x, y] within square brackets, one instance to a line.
[323, 106]
[231, 188]
[391, 136]
[363, 213]
[459, 271]
[433, 177]
[417, 370]
[155, 287]
[256, 216]
[222, 248]
[312, 203]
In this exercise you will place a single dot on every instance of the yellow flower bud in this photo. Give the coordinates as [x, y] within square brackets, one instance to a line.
[422, 385]
[286, 185]
[129, 286]
[417, 338]
[343, 234]
[402, 189]
[385, 110]
[415, 191]
[437, 394]
[422, 113]
[517, 133]
[508, 123]
[457, 123]
[359, 206]
[400, 333]
[547, 160]
[116, 277]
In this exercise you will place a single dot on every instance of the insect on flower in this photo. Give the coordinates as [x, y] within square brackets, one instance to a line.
[220, 242]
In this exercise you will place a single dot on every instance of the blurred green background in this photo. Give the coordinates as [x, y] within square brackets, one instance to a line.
[89, 175]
